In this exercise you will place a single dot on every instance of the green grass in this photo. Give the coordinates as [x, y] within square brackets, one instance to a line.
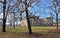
[22, 32]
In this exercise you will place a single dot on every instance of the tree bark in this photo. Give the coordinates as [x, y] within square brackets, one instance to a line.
[28, 21]
[4, 25]
[14, 20]
[20, 19]
[57, 20]
[4, 19]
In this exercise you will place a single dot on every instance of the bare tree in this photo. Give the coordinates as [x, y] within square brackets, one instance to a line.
[28, 21]
[4, 19]
[28, 3]
[56, 3]
[5, 13]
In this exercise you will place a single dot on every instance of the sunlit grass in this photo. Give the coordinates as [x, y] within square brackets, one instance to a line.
[22, 31]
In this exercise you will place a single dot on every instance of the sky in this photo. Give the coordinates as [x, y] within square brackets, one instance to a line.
[44, 8]
[41, 9]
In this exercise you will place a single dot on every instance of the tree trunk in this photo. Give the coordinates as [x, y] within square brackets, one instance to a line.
[57, 20]
[4, 25]
[4, 19]
[14, 20]
[20, 19]
[10, 23]
[28, 21]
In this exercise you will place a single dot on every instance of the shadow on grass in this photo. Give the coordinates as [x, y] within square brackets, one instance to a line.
[49, 34]
[19, 35]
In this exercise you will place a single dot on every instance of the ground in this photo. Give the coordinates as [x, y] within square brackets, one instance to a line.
[38, 32]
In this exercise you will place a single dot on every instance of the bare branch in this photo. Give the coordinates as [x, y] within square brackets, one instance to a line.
[7, 10]
[1, 1]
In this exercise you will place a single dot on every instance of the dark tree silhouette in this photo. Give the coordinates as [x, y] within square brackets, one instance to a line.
[28, 21]
[56, 3]
[14, 20]
[4, 15]
[4, 19]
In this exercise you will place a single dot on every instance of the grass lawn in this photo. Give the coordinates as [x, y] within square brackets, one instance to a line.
[38, 32]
